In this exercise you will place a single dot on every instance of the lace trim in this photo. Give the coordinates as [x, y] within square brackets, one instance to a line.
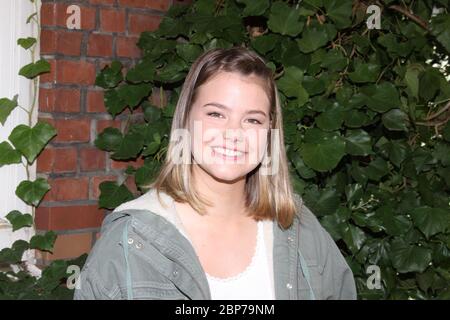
[249, 266]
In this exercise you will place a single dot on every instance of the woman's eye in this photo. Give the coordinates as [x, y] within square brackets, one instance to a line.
[256, 121]
[213, 114]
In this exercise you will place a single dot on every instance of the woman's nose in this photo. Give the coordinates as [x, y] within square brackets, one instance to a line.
[234, 135]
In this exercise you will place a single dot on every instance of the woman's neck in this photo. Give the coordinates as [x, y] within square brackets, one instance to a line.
[227, 198]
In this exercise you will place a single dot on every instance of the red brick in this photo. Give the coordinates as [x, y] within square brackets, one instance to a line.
[124, 164]
[99, 45]
[103, 2]
[92, 159]
[60, 100]
[66, 189]
[131, 184]
[95, 183]
[162, 5]
[69, 43]
[48, 41]
[95, 102]
[68, 246]
[76, 72]
[139, 23]
[126, 47]
[112, 20]
[72, 130]
[48, 14]
[49, 77]
[69, 217]
[67, 100]
[57, 160]
[55, 14]
[46, 100]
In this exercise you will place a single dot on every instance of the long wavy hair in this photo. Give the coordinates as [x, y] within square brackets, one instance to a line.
[268, 196]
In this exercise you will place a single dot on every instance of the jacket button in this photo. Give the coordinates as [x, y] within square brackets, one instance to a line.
[130, 240]
[290, 239]
[138, 245]
[289, 286]
[175, 273]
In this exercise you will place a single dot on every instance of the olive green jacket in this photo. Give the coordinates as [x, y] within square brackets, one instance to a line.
[144, 253]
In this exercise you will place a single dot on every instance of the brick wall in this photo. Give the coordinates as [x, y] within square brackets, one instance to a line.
[69, 100]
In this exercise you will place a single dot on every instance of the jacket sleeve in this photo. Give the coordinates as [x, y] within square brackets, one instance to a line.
[338, 274]
[89, 287]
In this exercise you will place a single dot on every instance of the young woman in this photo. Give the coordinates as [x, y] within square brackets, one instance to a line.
[221, 221]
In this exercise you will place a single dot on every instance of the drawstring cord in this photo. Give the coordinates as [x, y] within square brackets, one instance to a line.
[305, 271]
[125, 252]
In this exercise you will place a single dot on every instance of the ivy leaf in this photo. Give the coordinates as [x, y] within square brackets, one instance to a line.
[130, 146]
[332, 118]
[339, 11]
[254, 8]
[19, 220]
[26, 43]
[143, 71]
[322, 151]
[43, 242]
[409, 258]
[132, 94]
[440, 28]
[316, 36]
[377, 169]
[382, 97]
[112, 195]
[152, 114]
[32, 192]
[431, 221]
[31, 141]
[113, 103]
[334, 60]
[32, 70]
[412, 80]
[8, 155]
[395, 120]
[109, 139]
[6, 107]
[322, 202]
[265, 43]
[365, 72]
[284, 19]
[188, 52]
[291, 84]
[358, 143]
[110, 76]
[14, 254]
[393, 224]
[145, 174]
[353, 237]
[429, 84]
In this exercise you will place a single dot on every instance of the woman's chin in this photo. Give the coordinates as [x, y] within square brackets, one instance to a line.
[226, 174]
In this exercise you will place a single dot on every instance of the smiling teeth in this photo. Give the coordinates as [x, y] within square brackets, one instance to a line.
[228, 152]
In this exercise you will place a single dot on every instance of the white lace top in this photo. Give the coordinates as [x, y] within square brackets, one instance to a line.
[252, 283]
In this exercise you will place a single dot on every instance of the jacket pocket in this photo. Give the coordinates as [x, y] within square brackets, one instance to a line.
[150, 290]
[315, 280]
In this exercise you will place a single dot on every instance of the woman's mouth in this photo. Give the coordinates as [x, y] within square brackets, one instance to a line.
[227, 154]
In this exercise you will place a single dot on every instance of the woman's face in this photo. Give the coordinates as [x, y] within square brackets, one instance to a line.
[229, 123]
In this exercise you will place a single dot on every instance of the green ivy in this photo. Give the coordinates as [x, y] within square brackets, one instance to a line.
[24, 145]
[365, 121]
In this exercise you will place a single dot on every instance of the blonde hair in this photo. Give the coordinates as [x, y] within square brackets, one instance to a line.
[267, 196]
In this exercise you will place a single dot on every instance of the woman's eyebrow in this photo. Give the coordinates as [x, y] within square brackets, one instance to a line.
[221, 106]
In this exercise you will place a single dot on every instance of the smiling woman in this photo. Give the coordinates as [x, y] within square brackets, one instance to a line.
[219, 225]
